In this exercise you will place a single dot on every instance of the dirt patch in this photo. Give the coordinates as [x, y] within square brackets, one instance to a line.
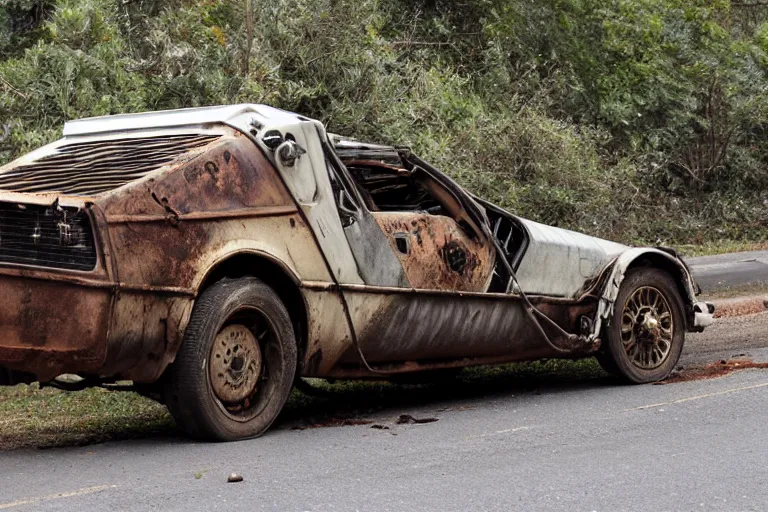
[333, 422]
[740, 306]
[713, 370]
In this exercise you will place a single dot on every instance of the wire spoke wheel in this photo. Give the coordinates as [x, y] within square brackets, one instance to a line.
[647, 328]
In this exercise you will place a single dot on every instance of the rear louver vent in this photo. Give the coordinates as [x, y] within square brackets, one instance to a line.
[90, 168]
[46, 236]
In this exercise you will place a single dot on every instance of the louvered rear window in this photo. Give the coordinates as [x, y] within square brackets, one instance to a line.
[90, 168]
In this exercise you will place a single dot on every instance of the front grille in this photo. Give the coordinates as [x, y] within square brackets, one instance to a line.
[47, 236]
[90, 168]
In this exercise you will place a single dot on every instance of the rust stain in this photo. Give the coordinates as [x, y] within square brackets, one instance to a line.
[436, 253]
[156, 236]
[48, 326]
[423, 331]
[713, 370]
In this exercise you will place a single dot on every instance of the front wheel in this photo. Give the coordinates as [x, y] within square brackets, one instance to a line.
[235, 368]
[645, 337]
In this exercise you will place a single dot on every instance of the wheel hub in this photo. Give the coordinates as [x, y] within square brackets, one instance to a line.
[235, 364]
[650, 323]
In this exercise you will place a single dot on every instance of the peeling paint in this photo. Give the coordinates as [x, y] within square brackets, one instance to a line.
[426, 286]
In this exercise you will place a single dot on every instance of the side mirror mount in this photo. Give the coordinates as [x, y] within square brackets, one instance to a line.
[288, 152]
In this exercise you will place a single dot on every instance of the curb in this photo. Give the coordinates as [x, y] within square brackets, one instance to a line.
[740, 306]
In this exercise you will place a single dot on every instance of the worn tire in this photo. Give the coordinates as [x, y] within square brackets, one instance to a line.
[613, 357]
[188, 389]
[607, 363]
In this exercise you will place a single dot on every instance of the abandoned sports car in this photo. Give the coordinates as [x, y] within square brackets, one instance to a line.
[213, 256]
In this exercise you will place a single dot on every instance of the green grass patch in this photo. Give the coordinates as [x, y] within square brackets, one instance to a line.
[721, 247]
[42, 418]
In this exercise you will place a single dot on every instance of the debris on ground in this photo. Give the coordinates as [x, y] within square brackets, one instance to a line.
[408, 419]
[333, 422]
[712, 370]
[379, 426]
[234, 478]
[740, 306]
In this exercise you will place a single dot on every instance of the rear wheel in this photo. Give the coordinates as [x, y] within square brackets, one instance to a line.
[235, 368]
[645, 337]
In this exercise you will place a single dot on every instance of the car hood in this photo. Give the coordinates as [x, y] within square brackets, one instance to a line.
[559, 262]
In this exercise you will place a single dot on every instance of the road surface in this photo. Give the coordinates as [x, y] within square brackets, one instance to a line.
[730, 271]
[552, 444]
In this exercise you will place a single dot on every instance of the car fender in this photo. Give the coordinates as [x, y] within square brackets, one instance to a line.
[698, 314]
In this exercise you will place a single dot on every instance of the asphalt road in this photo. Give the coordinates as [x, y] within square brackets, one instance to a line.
[554, 444]
[730, 271]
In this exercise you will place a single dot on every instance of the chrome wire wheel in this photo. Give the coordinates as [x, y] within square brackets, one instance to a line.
[647, 328]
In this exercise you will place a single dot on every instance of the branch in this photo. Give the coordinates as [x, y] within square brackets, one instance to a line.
[12, 88]
[421, 43]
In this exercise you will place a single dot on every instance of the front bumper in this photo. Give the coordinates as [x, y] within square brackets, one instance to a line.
[703, 315]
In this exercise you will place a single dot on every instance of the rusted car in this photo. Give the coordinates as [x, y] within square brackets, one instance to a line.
[212, 256]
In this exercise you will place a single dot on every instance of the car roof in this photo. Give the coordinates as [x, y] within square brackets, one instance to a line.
[262, 116]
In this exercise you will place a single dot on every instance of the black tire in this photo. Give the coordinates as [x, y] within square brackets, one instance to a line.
[646, 363]
[606, 362]
[243, 305]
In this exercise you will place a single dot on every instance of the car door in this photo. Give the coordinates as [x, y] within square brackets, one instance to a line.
[444, 257]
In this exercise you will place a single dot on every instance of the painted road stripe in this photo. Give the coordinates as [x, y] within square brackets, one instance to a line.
[698, 397]
[70, 494]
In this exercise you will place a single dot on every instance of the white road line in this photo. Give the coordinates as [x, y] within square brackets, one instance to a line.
[499, 432]
[698, 397]
[70, 494]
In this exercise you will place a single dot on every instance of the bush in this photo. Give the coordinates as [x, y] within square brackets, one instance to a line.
[638, 120]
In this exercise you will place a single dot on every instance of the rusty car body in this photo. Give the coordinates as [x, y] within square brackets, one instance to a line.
[110, 236]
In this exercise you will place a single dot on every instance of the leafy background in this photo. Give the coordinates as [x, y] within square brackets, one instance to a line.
[644, 121]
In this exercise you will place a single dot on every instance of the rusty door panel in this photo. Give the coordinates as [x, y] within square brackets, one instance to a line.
[328, 331]
[436, 253]
[49, 327]
[440, 327]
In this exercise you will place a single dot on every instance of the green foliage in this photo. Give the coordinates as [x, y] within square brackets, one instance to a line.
[638, 120]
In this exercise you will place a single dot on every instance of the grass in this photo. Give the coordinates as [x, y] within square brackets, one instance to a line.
[748, 290]
[720, 247]
[34, 417]
[45, 418]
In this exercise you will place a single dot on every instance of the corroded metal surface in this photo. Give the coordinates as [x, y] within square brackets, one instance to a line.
[417, 298]
[159, 238]
[436, 253]
[48, 326]
[169, 232]
[432, 330]
[647, 328]
[94, 167]
[234, 364]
